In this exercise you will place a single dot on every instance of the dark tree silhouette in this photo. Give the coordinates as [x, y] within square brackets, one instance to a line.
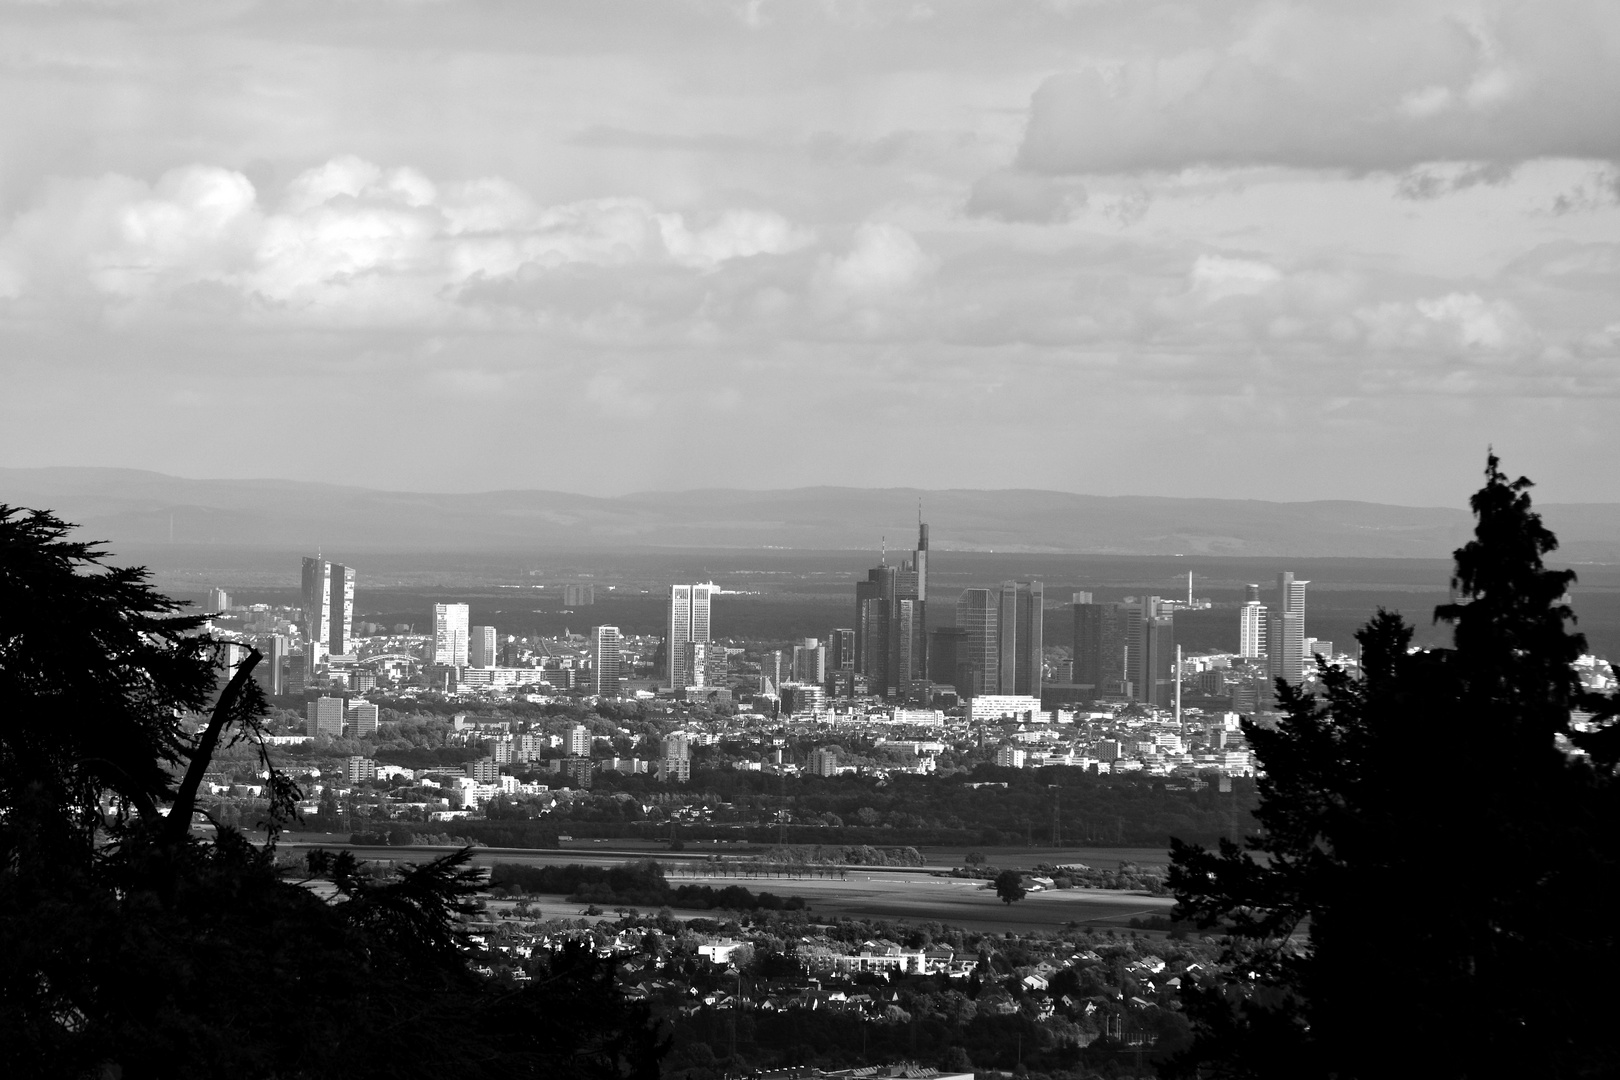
[1010, 886]
[130, 947]
[1429, 849]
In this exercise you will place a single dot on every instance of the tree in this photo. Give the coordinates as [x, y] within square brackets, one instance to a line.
[126, 942]
[1010, 886]
[1507, 843]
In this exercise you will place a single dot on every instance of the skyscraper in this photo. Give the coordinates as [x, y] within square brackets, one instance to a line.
[841, 650]
[317, 610]
[328, 596]
[218, 600]
[810, 662]
[891, 615]
[1285, 647]
[689, 607]
[450, 633]
[874, 598]
[1150, 651]
[1252, 625]
[1019, 637]
[976, 617]
[340, 609]
[481, 647]
[1099, 647]
[606, 658]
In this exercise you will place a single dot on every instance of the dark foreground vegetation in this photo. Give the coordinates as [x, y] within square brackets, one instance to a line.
[130, 948]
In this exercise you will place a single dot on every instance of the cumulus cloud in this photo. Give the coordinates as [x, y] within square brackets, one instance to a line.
[347, 235]
[1352, 86]
[883, 258]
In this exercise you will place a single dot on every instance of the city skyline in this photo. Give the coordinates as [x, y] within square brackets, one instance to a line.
[1341, 241]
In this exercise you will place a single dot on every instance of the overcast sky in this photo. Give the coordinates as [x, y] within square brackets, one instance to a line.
[1267, 250]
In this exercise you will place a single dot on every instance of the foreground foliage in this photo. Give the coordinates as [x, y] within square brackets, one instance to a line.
[1466, 907]
[130, 947]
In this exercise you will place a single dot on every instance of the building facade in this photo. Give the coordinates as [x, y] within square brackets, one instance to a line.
[450, 634]
[606, 660]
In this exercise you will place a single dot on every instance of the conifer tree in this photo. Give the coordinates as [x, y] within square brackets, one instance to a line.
[1429, 891]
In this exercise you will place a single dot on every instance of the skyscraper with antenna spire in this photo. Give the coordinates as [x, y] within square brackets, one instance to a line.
[891, 624]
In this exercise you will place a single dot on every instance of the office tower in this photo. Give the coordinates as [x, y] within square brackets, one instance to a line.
[1291, 594]
[364, 716]
[579, 595]
[873, 599]
[317, 610]
[689, 607]
[1007, 637]
[676, 762]
[1082, 598]
[976, 617]
[810, 662]
[1099, 647]
[1030, 652]
[340, 609]
[1150, 651]
[841, 650]
[273, 674]
[606, 659]
[1252, 625]
[450, 633]
[218, 600]
[947, 659]
[1285, 653]
[1019, 637]
[324, 716]
[891, 614]
[579, 741]
[481, 647]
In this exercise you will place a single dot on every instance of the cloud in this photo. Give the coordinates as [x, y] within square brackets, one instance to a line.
[1014, 195]
[1359, 87]
[346, 236]
[883, 258]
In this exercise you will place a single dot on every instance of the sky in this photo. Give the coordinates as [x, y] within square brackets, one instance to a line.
[1287, 251]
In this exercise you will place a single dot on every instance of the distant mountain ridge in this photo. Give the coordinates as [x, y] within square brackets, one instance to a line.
[139, 507]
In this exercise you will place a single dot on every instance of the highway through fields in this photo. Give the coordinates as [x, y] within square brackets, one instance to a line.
[908, 894]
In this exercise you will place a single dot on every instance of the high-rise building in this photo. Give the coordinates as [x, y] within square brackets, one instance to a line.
[1150, 651]
[324, 716]
[689, 610]
[810, 662]
[450, 633]
[606, 659]
[317, 599]
[1099, 647]
[481, 647]
[891, 615]
[947, 659]
[976, 617]
[272, 673]
[823, 761]
[579, 595]
[218, 600]
[1285, 652]
[1252, 625]
[841, 650]
[874, 598]
[363, 716]
[340, 609]
[579, 741]
[1019, 638]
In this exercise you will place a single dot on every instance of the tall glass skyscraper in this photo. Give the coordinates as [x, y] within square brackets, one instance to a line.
[450, 634]
[689, 611]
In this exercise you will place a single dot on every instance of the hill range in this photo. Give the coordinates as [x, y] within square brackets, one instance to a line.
[132, 506]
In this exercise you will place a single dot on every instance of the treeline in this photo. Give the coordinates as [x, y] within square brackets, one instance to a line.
[1125, 810]
[850, 855]
[640, 883]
